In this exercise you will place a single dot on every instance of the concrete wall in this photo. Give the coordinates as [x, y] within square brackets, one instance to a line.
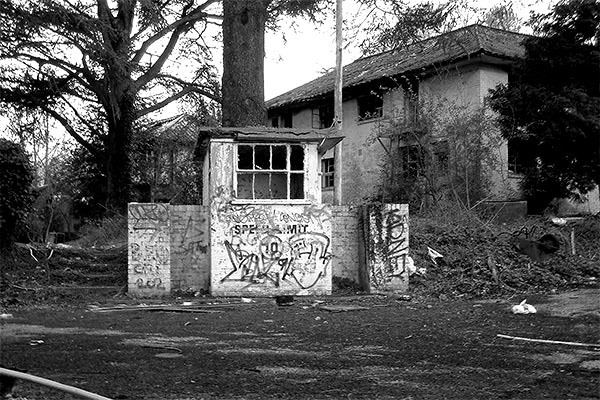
[388, 263]
[189, 237]
[149, 267]
[269, 250]
[168, 249]
[345, 241]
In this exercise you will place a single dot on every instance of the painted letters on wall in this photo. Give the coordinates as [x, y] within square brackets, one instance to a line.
[149, 249]
[388, 248]
[267, 250]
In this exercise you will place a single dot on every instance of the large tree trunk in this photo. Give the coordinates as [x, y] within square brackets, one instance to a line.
[118, 174]
[243, 62]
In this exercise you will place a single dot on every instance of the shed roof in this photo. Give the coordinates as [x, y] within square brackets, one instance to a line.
[450, 47]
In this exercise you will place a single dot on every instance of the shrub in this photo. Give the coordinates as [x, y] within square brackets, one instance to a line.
[16, 195]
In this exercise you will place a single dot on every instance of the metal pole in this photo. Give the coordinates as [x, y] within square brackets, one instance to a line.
[52, 384]
[337, 167]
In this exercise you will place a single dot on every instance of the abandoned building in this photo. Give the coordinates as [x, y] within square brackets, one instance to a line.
[450, 72]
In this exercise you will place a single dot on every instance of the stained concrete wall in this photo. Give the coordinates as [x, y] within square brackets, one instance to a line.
[269, 250]
[168, 249]
[149, 264]
[345, 241]
[189, 241]
[387, 248]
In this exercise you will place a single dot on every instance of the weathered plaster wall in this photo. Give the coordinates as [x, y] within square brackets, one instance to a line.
[345, 241]
[149, 272]
[387, 248]
[168, 249]
[189, 235]
[268, 250]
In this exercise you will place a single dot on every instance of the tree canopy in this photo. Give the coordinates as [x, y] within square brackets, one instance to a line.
[550, 109]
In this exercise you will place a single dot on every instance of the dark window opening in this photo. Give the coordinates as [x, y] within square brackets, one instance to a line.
[275, 122]
[517, 156]
[327, 171]
[287, 119]
[370, 106]
[326, 116]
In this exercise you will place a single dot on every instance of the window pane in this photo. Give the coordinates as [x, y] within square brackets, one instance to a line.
[244, 157]
[262, 157]
[297, 158]
[279, 186]
[296, 186]
[244, 186]
[261, 186]
[279, 157]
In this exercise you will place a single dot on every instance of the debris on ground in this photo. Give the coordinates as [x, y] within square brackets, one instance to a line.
[342, 308]
[549, 341]
[523, 308]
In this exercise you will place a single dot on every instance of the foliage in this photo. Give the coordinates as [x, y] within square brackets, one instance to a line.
[97, 67]
[447, 151]
[392, 24]
[16, 178]
[551, 107]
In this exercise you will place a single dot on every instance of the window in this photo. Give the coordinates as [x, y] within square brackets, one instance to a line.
[516, 156]
[323, 116]
[370, 106]
[411, 159]
[287, 119]
[327, 170]
[275, 122]
[270, 171]
[440, 158]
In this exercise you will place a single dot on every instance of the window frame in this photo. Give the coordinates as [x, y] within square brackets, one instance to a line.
[378, 109]
[258, 171]
[326, 175]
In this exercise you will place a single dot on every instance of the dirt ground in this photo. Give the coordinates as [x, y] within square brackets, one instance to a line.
[384, 349]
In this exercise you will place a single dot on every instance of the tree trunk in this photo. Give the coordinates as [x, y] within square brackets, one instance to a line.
[118, 176]
[243, 62]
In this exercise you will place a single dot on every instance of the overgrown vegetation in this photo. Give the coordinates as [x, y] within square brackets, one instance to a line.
[443, 152]
[16, 196]
[482, 258]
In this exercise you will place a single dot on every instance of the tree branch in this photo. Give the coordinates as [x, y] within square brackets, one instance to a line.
[65, 123]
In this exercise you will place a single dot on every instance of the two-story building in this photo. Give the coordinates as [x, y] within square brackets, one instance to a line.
[453, 70]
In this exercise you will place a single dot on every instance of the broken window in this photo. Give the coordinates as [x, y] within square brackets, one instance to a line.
[287, 119]
[411, 159]
[323, 116]
[270, 171]
[370, 106]
[327, 171]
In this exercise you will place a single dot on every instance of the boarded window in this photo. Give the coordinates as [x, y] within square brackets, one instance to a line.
[266, 171]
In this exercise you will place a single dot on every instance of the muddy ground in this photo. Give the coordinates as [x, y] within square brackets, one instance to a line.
[419, 349]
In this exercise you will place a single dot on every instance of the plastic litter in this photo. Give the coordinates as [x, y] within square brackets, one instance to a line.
[523, 308]
[433, 254]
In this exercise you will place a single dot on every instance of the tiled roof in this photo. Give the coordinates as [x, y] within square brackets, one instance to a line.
[445, 48]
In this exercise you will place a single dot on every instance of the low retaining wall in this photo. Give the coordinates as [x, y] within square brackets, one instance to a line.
[266, 250]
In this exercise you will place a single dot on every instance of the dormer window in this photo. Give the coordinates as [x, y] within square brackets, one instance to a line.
[270, 171]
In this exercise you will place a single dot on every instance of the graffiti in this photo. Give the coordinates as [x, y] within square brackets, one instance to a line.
[152, 283]
[303, 259]
[389, 263]
[149, 247]
[189, 241]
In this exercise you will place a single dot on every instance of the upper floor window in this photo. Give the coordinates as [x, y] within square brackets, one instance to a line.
[327, 171]
[323, 116]
[287, 119]
[270, 171]
[370, 106]
[275, 122]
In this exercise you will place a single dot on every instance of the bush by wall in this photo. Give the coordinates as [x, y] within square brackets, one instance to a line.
[16, 196]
